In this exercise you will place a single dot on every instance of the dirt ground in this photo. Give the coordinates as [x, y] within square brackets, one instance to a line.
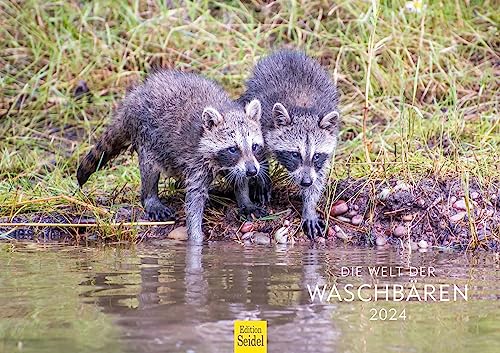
[430, 214]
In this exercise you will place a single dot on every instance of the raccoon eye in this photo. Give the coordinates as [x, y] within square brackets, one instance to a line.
[255, 147]
[232, 149]
[316, 157]
[296, 155]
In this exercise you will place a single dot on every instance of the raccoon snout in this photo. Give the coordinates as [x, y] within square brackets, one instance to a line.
[251, 169]
[306, 181]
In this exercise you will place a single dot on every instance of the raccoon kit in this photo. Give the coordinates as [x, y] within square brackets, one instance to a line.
[300, 123]
[186, 127]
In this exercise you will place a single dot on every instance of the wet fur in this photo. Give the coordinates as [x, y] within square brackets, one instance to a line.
[300, 123]
[181, 125]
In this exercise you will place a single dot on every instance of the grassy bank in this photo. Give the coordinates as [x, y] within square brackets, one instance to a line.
[419, 90]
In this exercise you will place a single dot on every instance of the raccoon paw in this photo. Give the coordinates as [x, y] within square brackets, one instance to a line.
[256, 211]
[314, 227]
[261, 192]
[158, 212]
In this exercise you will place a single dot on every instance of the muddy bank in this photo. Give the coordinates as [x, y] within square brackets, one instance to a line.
[430, 213]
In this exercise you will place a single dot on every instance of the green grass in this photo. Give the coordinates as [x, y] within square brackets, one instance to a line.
[429, 82]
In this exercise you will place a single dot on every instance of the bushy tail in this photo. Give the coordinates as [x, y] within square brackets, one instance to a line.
[114, 140]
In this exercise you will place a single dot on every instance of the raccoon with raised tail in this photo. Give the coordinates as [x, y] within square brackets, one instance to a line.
[300, 124]
[187, 127]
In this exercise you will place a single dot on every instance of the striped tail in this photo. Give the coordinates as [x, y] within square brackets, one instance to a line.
[114, 140]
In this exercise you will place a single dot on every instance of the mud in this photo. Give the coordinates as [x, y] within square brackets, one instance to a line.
[388, 213]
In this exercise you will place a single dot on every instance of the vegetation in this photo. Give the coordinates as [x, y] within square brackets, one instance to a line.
[419, 88]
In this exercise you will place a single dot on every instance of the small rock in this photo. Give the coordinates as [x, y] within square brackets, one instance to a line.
[356, 220]
[343, 219]
[337, 228]
[246, 227]
[423, 244]
[356, 207]
[261, 238]
[338, 208]
[179, 233]
[401, 186]
[453, 199]
[352, 213]
[247, 236]
[384, 194]
[460, 204]
[342, 235]
[281, 235]
[407, 218]
[320, 240]
[421, 202]
[331, 232]
[286, 223]
[399, 231]
[413, 246]
[474, 195]
[457, 217]
[380, 241]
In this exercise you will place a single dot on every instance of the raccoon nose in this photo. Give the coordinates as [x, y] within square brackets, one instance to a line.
[306, 181]
[251, 170]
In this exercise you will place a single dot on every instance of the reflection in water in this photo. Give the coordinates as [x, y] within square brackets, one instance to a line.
[179, 298]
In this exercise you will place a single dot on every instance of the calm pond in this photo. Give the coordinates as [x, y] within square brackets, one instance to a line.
[171, 297]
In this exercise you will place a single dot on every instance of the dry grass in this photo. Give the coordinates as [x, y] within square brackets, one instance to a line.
[419, 91]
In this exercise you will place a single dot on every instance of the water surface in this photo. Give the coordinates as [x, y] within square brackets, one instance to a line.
[170, 297]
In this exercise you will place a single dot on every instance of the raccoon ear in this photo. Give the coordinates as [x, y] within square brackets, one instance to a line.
[330, 121]
[280, 115]
[253, 110]
[211, 117]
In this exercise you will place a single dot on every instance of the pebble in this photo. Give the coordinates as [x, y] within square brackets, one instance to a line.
[474, 195]
[399, 231]
[246, 227]
[401, 186]
[281, 235]
[453, 199]
[413, 246]
[320, 240]
[343, 219]
[407, 217]
[356, 207]
[247, 236]
[340, 233]
[380, 241]
[179, 233]
[338, 208]
[352, 213]
[421, 202]
[460, 204]
[457, 217]
[423, 244]
[384, 194]
[261, 238]
[357, 220]
[286, 223]
[331, 232]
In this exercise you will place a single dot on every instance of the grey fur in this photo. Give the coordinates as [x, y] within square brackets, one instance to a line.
[186, 127]
[299, 115]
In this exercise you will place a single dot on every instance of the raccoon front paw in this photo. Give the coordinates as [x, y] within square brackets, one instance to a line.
[261, 192]
[256, 211]
[313, 227]
[158, 212]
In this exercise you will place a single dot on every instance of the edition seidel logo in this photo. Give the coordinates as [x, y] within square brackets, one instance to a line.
[250, 337]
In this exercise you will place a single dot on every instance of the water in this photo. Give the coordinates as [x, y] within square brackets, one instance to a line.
[169, 297]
